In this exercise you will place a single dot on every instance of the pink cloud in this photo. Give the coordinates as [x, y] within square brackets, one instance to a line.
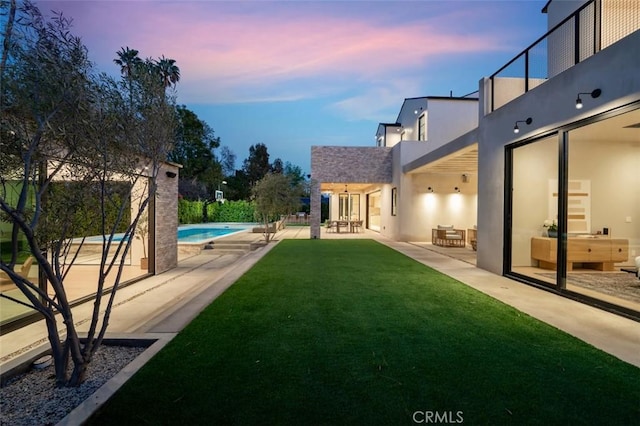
[249, 50]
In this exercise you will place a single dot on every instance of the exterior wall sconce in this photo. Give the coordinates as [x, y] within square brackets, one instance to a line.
[429, 189]
[596, 93]
[456, 189]
[465, 178]
[417, 111]
[516, 129]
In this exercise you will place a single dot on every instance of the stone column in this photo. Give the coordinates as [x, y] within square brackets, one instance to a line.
[316, 209]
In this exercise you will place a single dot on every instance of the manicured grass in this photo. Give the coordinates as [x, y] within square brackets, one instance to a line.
[351, 332]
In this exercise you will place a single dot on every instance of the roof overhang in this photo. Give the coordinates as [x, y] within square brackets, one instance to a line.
[459, 155]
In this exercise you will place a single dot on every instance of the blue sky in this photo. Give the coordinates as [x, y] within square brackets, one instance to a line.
[292, 74]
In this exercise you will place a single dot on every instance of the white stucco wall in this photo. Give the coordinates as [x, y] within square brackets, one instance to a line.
[411, 150]
[442, 207]
[408, 118]
[392, 137]
[387, 135]
[450, 118]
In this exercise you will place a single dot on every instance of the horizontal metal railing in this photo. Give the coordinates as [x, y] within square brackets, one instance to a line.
[591, 28]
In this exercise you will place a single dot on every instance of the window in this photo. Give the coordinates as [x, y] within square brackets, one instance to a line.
[349, 207]
[394, 201]
[422, 127]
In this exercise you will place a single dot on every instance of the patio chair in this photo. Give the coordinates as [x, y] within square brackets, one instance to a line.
[448, 236]
[24, 271]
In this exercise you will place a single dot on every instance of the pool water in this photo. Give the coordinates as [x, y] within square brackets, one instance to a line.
[191, 233]
[195, 235]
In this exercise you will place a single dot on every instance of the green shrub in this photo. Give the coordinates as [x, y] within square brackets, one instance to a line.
[230, 211]
[189, 211]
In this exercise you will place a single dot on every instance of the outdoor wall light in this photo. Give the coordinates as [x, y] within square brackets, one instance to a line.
[594, 94]
[456, 189]
[516, 129]
[429, 189]
[416, 111]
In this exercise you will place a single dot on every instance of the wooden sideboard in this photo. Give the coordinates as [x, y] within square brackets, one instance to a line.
[593, 253]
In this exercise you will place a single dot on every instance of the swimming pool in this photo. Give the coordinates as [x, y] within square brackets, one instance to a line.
[203, 233]
[195, 234]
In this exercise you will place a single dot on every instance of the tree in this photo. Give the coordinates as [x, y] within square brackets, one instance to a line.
[256, 166]
[227, 161]
[128, 61]
[294, 173]
[277, 166]
[168, 70]
[238, 187]
[274, 195]
[194, 150]
[78, 148]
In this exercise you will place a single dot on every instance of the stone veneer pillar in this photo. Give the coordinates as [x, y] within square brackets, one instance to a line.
[316, 209]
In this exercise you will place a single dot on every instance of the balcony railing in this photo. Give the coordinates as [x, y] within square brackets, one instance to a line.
[596, 25]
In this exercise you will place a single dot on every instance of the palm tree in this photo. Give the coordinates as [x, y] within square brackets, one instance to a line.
[129, 64]
[128, 60]
[169, 71]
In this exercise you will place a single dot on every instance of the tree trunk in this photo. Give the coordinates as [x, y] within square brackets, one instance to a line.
[267, 234]
[205, 213]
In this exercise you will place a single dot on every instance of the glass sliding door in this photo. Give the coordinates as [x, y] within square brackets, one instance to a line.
[374, 204]
[534, 206]
[603, 209]
[589, 189]
[349, 207]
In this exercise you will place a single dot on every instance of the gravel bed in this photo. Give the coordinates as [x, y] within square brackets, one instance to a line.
[32, 398]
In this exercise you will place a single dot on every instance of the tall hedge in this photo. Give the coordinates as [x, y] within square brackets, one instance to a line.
[189, 211]
[230, 211]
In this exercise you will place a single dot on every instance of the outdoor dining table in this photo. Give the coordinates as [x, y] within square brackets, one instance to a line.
[348, 225]
[342, 224]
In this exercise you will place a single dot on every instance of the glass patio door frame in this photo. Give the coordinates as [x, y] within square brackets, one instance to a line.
[560, 286]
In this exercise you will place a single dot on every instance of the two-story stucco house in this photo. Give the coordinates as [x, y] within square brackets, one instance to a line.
[552, 137]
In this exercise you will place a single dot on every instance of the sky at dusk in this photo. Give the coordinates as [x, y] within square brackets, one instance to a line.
[292, 74]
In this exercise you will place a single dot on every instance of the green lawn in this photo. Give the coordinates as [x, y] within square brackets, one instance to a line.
[337, 332]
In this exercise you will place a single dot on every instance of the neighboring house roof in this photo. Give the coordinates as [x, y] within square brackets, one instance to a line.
[420, 103]
[383, 126]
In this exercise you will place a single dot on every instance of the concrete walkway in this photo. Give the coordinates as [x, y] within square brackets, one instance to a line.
[162, 305]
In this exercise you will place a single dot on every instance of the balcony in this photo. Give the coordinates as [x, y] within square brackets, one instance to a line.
[591, 28]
